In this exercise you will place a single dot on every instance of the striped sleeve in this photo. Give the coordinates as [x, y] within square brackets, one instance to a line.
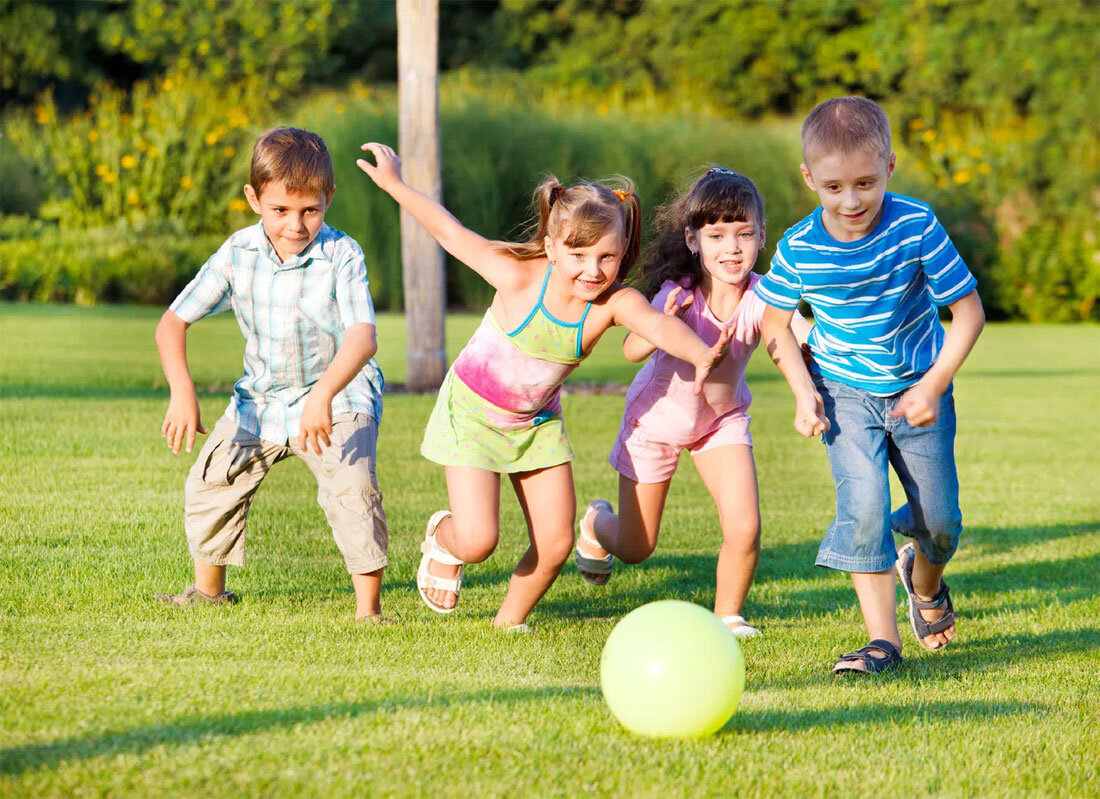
[352, 287]
[781, 287]
[209, 292]
[948, 277]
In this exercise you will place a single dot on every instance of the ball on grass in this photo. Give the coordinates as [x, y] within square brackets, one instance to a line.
[671, 669]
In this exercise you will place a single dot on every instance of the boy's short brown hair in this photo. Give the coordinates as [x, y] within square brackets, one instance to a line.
[296, 157]
[845, 125]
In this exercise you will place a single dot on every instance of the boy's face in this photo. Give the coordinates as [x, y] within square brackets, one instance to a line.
[851, 187]
[291, 220]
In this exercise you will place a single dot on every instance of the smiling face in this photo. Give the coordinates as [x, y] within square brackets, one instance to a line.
[589, 270]
[727, 250]
[291, 220]
[851, 187]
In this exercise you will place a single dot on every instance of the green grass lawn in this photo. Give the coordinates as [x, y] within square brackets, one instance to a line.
[105, 693]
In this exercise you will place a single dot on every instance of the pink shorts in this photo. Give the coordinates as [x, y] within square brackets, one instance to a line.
[640, 456]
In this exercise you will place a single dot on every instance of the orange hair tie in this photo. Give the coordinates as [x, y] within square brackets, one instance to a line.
[620, 194]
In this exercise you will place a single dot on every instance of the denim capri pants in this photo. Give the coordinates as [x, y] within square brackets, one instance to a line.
[862, 441]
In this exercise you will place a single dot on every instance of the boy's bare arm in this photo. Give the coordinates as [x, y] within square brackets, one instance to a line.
[920, 404]
[182, 419]
[360, 345]
[783, 347]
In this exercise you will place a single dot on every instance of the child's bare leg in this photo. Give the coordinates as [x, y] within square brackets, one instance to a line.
[729, 474]
[549, 505]
[368, 588]
[926, 582]
[209, 579]
[631, 534]
[472, 530]
[878, 602]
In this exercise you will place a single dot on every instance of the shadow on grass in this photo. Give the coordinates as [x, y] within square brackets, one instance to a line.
[752, 722]
[18, 759]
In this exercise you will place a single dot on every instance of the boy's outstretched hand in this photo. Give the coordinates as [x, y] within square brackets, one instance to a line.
[386, 170]
[316, 424]
[920, 406]
[714, 355]
[182, 421]
[809, 416]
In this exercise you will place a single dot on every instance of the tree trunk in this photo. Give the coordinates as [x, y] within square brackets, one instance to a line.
[418, 143]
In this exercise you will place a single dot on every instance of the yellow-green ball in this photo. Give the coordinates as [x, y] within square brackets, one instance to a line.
[672, 669]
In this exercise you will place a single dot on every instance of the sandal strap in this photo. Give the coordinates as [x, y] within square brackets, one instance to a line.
[452, 584]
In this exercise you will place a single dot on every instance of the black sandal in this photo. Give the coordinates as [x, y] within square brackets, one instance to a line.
[872, 664]
[922, 628]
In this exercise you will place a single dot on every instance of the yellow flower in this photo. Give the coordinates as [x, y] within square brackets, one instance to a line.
[93, 135]
[962, 177]
[132, 198]
[941, 182]
[929, 135]
[142, 146]
[186, 182]
[230, 151]
[153, 151]
[167, 84]
[984, 168]
[128, 162]
[237, 118]
[110, 177]
[237, 204]
[916, 124]
[975, 152]
[341, 108]
[101, 169]
[211, 139]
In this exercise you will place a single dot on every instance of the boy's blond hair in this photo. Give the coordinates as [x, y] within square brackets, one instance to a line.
[296, 157]
[845, 125]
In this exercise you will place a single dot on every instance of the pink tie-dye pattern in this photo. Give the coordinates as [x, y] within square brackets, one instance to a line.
[520, 385]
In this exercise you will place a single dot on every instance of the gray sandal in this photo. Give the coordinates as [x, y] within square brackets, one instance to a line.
[193, 596]
[872, 664]
[922, 628]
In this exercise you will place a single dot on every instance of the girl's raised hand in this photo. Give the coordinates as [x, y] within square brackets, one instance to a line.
[386, 169]
[672, 307]
[714, 356]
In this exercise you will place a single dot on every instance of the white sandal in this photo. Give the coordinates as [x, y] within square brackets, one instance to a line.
[739, 627]
[583, 562]
[433, 550]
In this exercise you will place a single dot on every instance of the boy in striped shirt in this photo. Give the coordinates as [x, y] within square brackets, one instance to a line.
[874, 267]
[311, 387]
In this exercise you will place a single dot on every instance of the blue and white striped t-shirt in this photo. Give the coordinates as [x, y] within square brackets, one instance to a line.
[874, 300]
[293, 315]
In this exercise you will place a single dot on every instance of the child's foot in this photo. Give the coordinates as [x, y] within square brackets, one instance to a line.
[374, 619]
[193, 596]
[932, 618]
[739, 627]
[439, 576]
[592, 560]
[876, 657]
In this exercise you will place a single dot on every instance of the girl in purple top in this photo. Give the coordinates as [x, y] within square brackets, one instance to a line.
[702, 272]
[498, 411]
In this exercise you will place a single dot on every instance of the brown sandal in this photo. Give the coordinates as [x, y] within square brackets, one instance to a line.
[193, 596]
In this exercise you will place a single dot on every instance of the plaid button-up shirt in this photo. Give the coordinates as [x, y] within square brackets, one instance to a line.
[293, 316]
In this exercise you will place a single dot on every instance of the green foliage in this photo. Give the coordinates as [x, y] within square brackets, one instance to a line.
[40, 263]
[995, 100]
[178, 150]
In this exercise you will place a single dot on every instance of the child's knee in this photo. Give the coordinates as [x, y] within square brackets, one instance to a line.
[474, 542]
[742, 536]
[636, 551]
[556, 551]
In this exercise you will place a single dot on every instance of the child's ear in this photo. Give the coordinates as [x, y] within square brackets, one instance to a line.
[890, 165]
[806, 176]
[548, 245]
[328, 199]
[252, 197]
[691, 240]
[763, 233]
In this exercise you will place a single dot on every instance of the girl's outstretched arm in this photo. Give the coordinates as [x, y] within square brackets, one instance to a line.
[636, 348]
[630, 309]
[475, 251]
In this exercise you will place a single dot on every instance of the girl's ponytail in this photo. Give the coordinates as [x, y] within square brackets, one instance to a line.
[547, 193]
[632, 232]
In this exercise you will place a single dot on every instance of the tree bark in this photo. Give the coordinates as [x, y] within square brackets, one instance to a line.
[418, 143]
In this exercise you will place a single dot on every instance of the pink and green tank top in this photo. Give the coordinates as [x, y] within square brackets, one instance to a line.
[521, 372]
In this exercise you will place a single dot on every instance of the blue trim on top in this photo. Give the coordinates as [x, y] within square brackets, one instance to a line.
[539, 306]
[580, 327]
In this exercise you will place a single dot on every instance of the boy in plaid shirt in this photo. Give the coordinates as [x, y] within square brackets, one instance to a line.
[310, 388]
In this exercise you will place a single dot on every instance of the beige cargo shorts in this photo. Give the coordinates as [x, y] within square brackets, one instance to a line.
[234, 462]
